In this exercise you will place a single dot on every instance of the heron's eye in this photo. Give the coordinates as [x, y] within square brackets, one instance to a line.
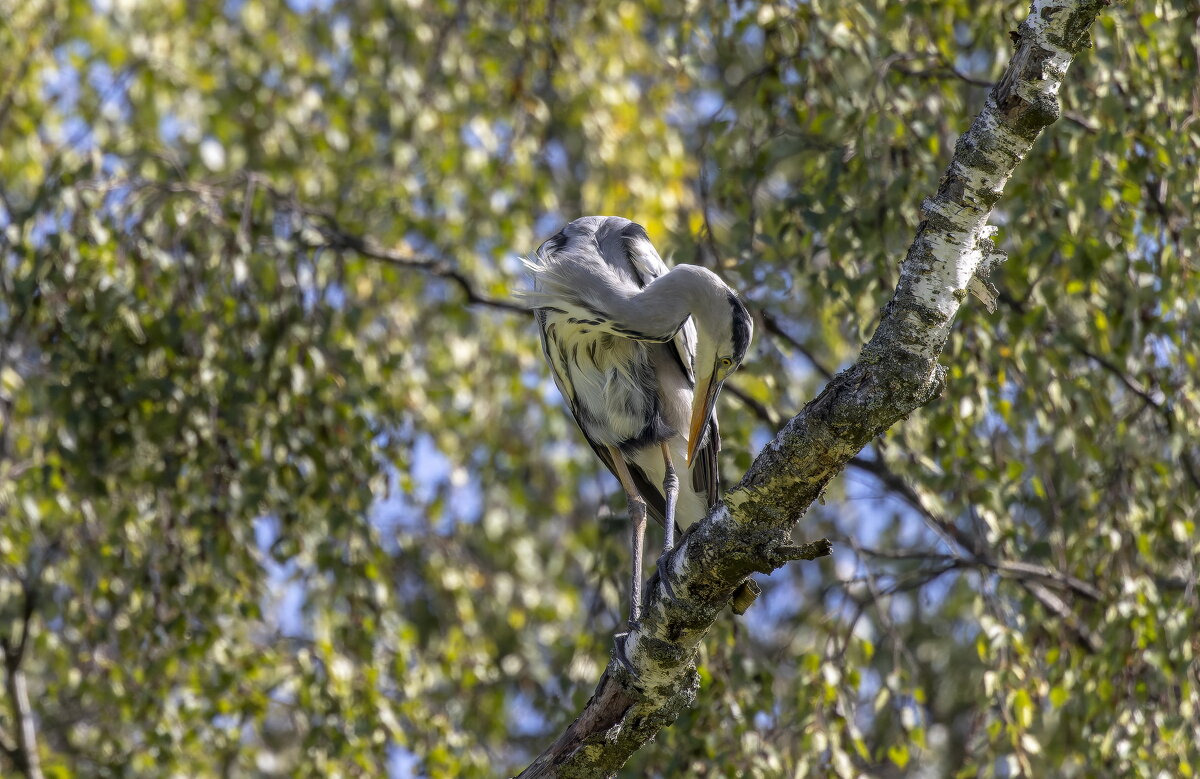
[726, 363]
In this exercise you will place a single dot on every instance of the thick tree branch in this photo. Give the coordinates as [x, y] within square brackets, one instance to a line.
[897, 372]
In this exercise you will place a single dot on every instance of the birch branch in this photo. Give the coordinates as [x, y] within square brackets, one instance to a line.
[896, 373]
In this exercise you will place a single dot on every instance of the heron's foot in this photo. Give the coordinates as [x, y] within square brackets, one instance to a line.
[619, 646]
[664, 575]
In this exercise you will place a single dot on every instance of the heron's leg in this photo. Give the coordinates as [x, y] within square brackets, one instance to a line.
[637, 513]
[671, 491]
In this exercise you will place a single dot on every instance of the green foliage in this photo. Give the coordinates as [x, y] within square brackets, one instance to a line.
[218, 402]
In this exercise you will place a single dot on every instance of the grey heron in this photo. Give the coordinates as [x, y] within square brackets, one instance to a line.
[640, 353]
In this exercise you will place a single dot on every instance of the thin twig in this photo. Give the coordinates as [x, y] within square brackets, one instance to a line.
[367, 247]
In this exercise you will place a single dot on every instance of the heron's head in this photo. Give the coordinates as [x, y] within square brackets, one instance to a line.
[723, 331]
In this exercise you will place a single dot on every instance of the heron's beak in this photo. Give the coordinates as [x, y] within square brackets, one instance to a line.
[702, 407]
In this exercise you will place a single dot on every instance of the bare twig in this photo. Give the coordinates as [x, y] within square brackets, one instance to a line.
[772, 326]
[333, 234]
[975, 552]
[367, 247]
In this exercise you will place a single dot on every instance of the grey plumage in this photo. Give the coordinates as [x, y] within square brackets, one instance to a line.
[629, 343]
[619, 389]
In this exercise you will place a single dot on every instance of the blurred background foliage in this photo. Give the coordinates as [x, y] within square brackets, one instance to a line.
[285, 488]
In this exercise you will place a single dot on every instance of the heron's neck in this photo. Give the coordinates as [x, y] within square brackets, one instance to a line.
[663, 305]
